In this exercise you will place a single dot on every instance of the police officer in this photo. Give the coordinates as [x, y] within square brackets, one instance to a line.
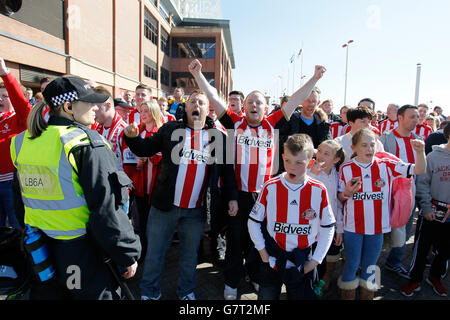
[72, 191]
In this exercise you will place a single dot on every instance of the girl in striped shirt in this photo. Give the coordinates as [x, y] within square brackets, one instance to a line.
[330, 155]
[365, 189]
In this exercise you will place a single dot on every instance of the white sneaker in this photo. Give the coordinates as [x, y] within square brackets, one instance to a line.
[190, 296]
[230, 293]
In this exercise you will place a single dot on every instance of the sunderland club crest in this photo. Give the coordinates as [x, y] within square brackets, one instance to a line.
[309, 214]
[380, 183]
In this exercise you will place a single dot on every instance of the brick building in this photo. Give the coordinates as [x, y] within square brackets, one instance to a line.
[116, 43]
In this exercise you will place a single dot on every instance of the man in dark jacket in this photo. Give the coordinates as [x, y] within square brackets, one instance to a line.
[305, 119]
[193, 153]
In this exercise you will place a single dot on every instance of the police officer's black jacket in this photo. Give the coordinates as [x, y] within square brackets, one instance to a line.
[105, 189]
[164, 189]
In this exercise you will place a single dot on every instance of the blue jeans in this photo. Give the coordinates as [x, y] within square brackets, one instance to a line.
[360, 249]
[161, 226]
[6, 205]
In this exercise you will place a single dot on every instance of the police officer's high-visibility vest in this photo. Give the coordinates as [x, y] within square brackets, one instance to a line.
[52, 195]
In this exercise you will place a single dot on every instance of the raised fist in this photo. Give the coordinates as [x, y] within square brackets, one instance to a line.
[318, 72]
[195, 66]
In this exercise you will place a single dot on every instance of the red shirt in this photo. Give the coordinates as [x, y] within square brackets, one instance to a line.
[114, 135]
[387, 125]
[337, 129]
[11, 124]
[293, 216]
[405, 150]
[191, 178]
[254, 150]
[144, 180]
[423, 130]
[367, 211]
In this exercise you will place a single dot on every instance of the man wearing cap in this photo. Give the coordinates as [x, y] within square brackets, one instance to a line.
[110, 125]
[123, 109]
[72, 191]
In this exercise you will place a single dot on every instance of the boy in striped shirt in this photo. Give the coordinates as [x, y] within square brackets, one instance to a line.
[291, 214]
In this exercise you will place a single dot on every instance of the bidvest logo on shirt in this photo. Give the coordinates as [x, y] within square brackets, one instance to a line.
[368, 196]
[291, 228]
[196, 155]
[258, 142]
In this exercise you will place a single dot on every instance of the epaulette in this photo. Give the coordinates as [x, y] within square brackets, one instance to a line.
[95, 139]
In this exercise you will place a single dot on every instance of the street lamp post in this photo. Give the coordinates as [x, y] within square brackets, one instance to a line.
[346, 45]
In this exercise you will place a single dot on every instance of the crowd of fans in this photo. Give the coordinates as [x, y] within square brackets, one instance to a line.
[332, 189]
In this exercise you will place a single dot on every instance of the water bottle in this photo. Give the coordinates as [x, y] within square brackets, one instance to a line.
[318, 288]
[39, 253]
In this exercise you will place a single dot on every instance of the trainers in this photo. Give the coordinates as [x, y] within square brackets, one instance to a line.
[230, 293]
[190, 296]
[408, 289]
[400, 271]
[151, 298]
[437, 286]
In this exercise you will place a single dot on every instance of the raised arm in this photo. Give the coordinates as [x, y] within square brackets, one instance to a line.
[220, 106]
[303, 93]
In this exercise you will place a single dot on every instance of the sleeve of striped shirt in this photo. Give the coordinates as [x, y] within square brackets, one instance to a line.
[258, 212]
[229, 118]
[400, 168]
[275, 117]
[326, 231]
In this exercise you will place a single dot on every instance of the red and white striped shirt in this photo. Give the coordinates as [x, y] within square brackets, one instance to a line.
[254, 151]
[404, 149]
[192, 169]
[134, 116]
[145, 179]
[114, 135]
[367, 211]
[46, 113]
[423, 130]
[387, 125]
[294, 213]
[337, 129]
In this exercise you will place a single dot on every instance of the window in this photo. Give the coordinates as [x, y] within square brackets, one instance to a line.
[164, 41]
[47, 16]
[185, 79]
[154, 2]
[193, 47]
[165, 76]
[163, 12]
[150, 27]
[150, 69]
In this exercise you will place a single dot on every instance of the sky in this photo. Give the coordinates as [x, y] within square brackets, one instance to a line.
[390, 39]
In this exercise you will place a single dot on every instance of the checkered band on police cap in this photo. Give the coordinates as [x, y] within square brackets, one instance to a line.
[65, 97]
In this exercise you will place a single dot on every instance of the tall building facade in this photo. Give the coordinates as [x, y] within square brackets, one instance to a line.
[119, 43]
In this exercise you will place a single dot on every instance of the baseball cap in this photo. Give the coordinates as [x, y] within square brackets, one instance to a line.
[70, 89]
[121, 103]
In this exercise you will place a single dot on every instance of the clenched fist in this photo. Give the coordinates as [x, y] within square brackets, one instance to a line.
[318, 72]
[132, 131]
[195, 67]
